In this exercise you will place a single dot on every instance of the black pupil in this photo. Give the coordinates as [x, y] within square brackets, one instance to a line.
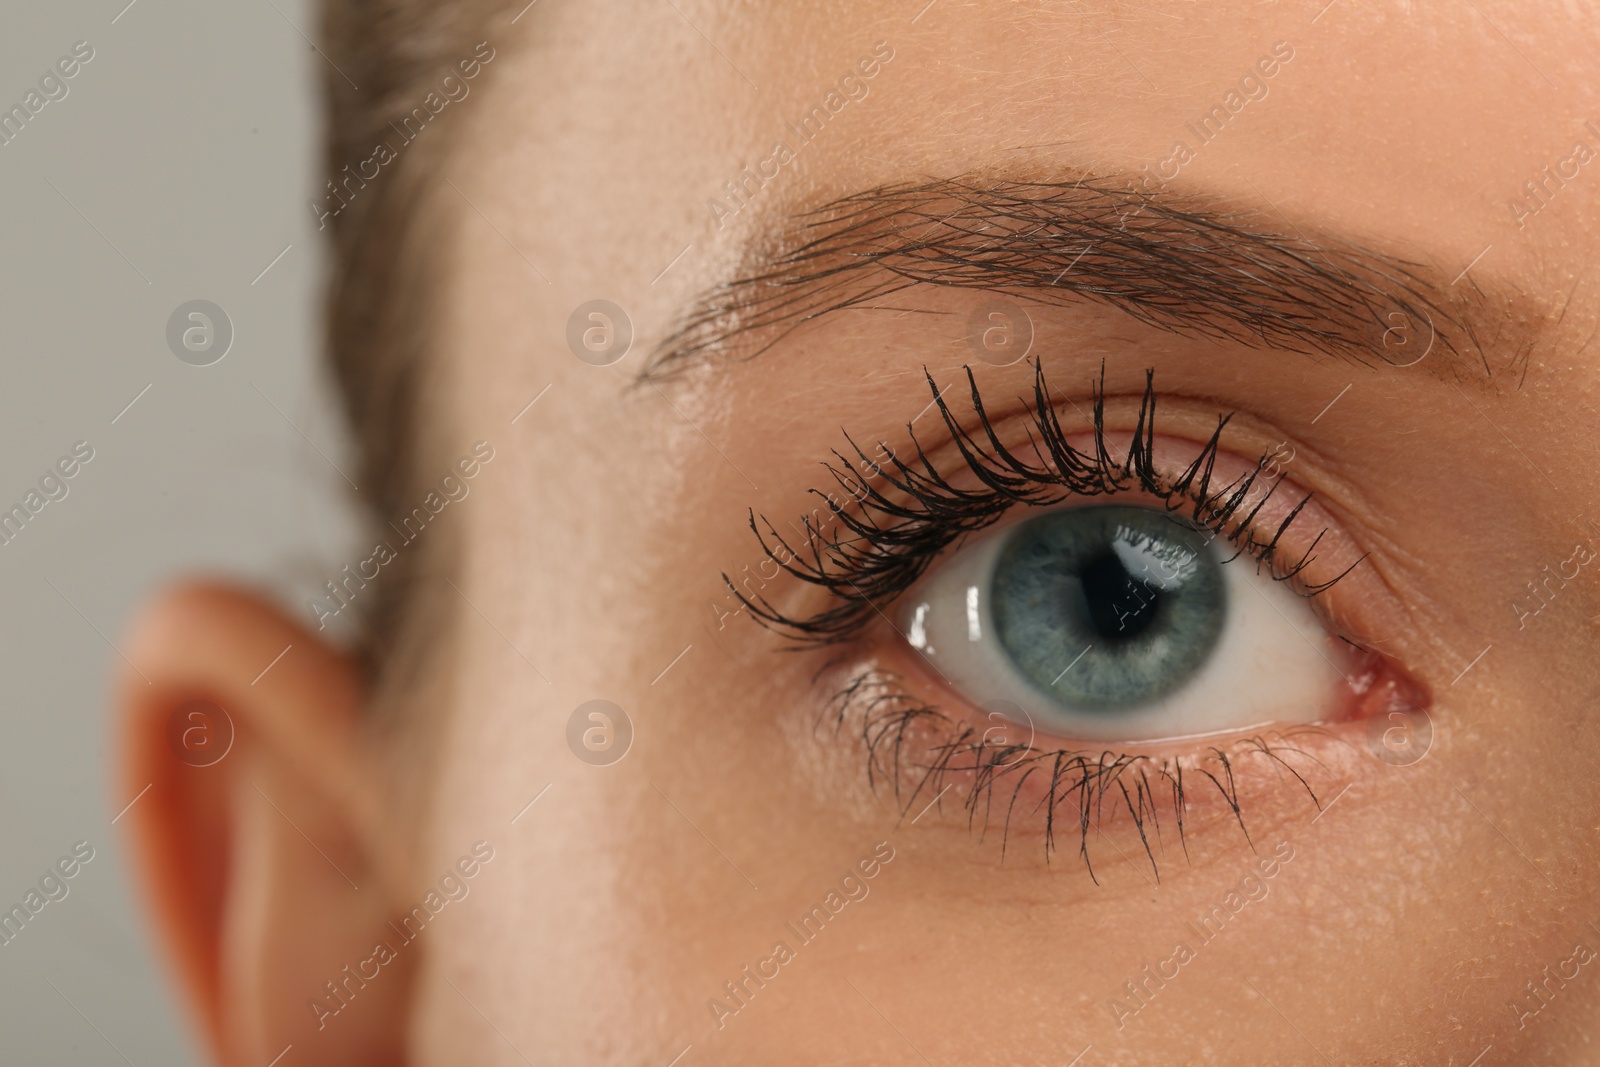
[1119, 605]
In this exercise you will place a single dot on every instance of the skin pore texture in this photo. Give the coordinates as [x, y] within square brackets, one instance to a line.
[1413, 914]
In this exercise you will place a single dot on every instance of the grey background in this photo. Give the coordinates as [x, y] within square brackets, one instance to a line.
[187, 144]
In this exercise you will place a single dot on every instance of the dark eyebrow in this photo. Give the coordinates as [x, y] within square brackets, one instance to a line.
[1183, 263]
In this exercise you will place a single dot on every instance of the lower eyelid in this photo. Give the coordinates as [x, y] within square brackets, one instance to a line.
[1049, 794]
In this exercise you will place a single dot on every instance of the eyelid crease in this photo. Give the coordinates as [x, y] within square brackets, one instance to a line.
[882, 544]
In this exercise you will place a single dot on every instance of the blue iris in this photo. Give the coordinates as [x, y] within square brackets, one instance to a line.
[1108, 608]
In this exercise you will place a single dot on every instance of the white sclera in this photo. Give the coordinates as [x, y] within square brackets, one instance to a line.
[1271, 664]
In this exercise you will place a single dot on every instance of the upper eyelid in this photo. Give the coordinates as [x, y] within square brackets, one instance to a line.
[1007, 479]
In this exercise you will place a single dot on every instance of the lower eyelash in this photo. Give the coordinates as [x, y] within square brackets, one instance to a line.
[888, 720]
[886, 538]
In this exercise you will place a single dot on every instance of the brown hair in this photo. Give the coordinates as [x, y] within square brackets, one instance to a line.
[383, 58]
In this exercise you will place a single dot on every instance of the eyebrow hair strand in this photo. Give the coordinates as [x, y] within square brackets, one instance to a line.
[1181, 263]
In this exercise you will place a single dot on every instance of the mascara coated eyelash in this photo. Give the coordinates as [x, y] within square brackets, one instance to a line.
[887, 535]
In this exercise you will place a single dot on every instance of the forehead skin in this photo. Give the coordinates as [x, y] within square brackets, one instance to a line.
[1412, 913]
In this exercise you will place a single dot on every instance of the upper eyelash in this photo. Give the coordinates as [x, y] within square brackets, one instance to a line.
[891, 535]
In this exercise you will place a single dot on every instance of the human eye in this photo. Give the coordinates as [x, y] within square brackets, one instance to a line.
[1122, 623]
[1022, 603]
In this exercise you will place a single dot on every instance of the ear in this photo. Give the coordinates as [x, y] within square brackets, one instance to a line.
[255, 812]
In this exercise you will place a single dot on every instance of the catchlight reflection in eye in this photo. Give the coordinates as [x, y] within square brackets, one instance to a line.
[1119, 623]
